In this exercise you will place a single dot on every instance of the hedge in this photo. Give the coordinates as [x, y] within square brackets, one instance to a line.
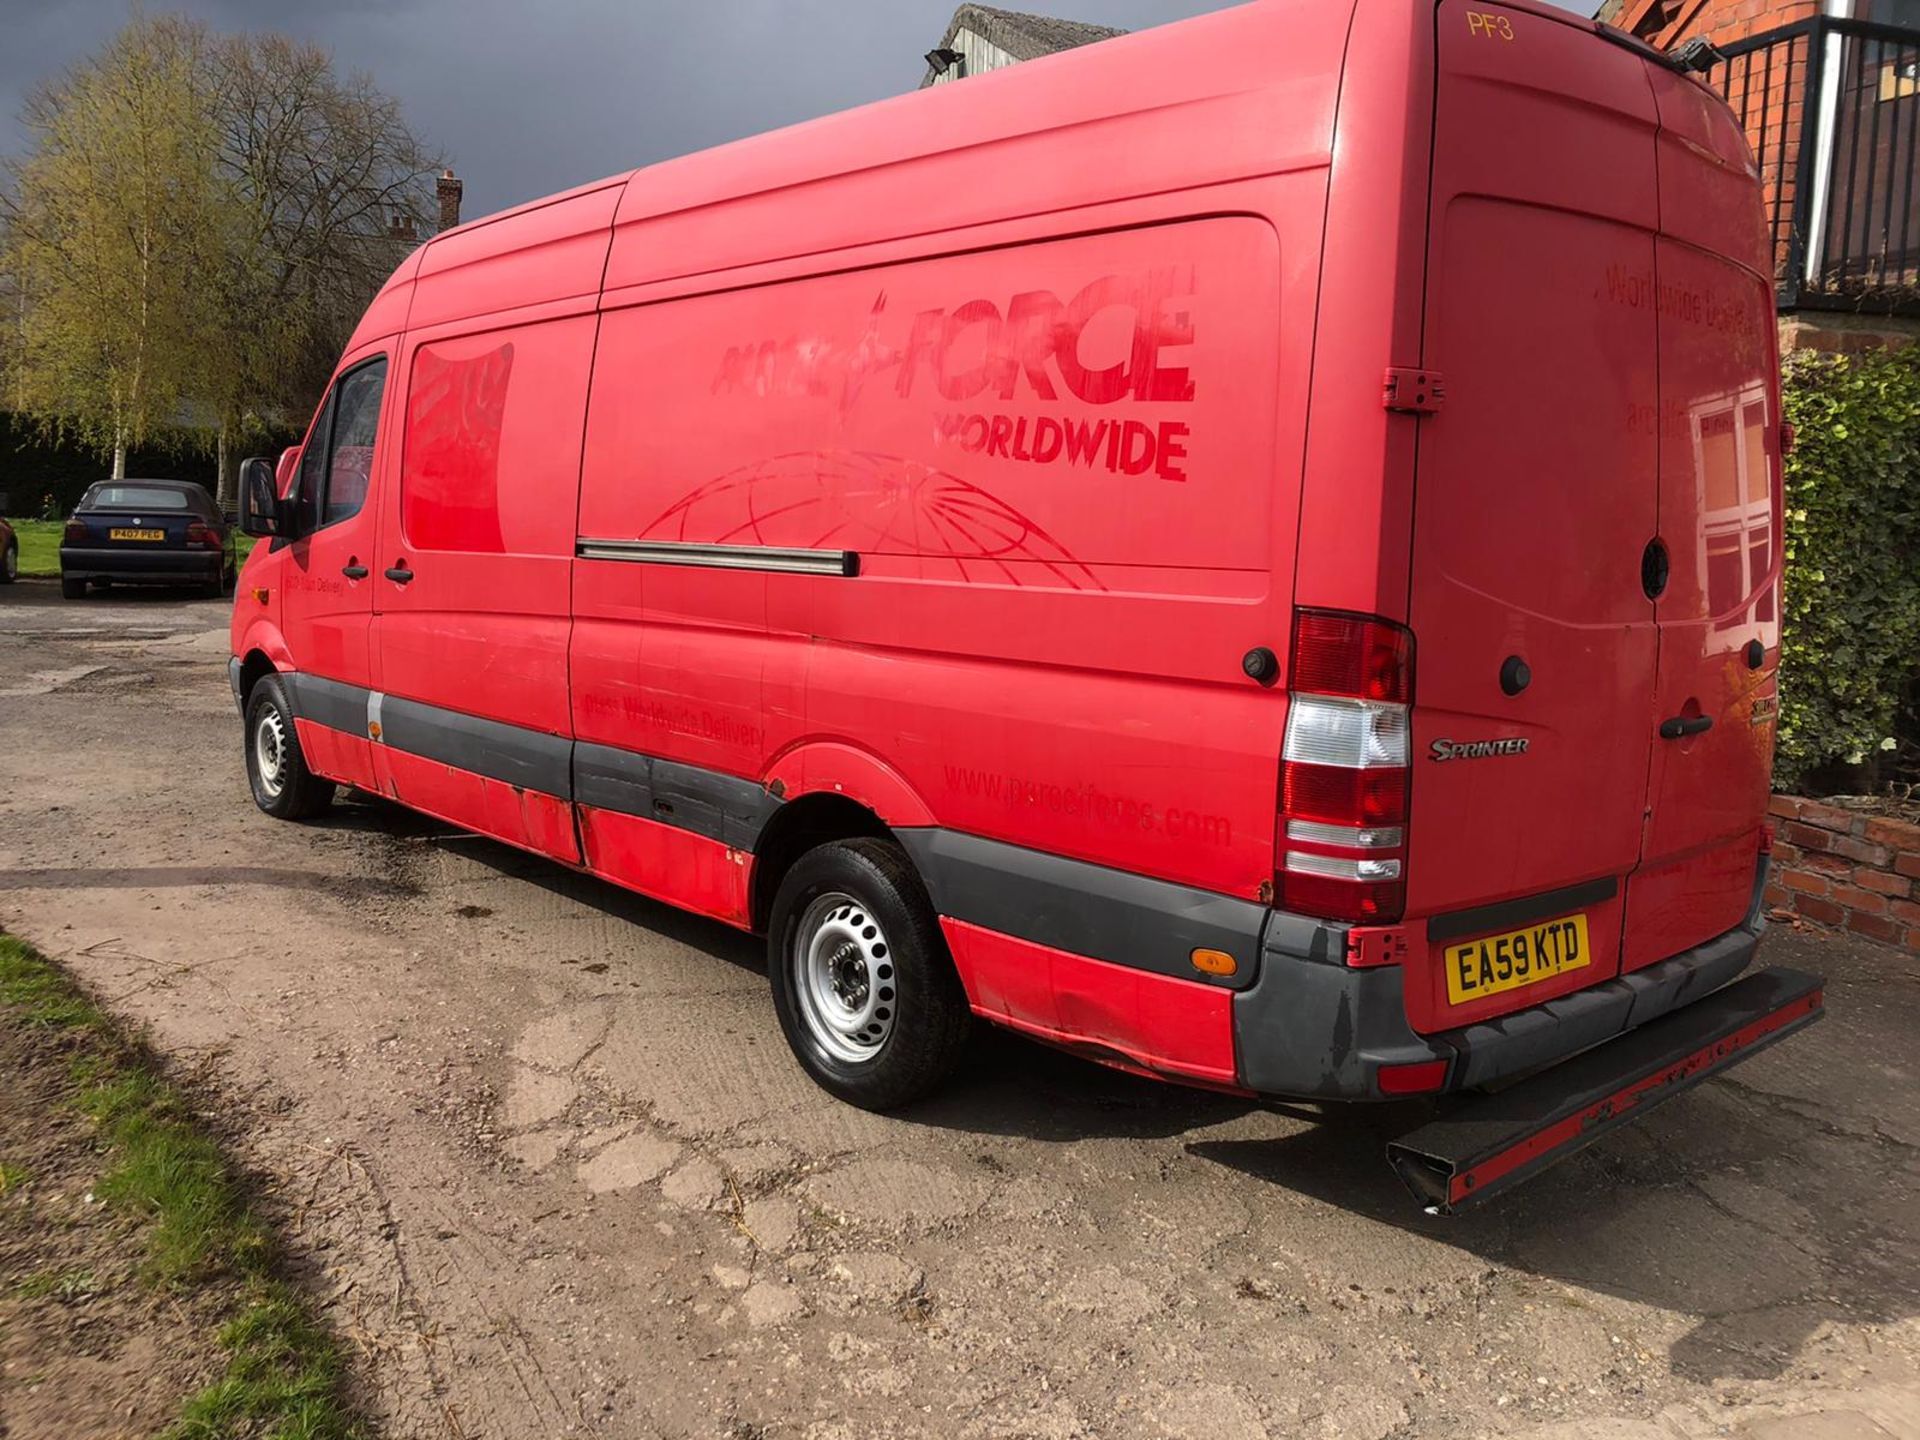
[35, 466]
[1850, 644]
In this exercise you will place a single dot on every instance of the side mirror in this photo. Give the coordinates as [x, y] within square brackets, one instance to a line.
[262, 513]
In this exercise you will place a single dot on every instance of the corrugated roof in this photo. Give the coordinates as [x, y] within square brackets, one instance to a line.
[1024, 36]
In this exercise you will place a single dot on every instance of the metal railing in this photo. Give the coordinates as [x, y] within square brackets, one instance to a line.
[1832, 110]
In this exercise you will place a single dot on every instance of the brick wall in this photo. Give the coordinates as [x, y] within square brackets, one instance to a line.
[1847, 870]
[1767, 91]
[1838, 332]
[1666, 23]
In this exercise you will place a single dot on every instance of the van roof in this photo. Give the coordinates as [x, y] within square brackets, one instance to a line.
[1185, 62]
[1210, 60]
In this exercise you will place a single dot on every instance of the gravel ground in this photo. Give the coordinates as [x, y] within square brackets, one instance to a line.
[547, 1146]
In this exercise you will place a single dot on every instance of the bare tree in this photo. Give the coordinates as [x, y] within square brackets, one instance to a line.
[329, 187]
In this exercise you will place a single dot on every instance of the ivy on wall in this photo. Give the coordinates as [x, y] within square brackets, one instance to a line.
[1850, 646]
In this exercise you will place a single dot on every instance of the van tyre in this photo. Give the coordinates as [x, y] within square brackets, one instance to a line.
[862, 982]
[72, 589]
[277, 771]
[9, 563]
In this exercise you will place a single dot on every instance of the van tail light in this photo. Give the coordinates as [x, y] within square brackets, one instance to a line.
[1344, 770]
[200, 536]
[74, 534]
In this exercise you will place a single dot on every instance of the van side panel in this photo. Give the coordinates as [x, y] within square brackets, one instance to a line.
[1057, 466]
[473, 574]
[1150, 1023]
[810, 674]
[668, 863]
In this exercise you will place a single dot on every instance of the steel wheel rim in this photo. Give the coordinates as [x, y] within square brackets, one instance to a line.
[270, 752]
[844, 979]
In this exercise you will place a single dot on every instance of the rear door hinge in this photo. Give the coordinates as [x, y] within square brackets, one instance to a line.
[1413, 392]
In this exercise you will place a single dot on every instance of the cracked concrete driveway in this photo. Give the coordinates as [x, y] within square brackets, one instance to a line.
[556, 1173]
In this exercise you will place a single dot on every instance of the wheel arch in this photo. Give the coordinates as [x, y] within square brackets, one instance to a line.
[262, 651]
[832, 791]
[795, 828]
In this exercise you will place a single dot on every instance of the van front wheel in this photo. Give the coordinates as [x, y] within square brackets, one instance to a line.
[862, 981]
[282, 784]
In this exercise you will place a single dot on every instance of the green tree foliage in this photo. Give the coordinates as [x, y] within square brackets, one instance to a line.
[1850, 647]
[199, 222]
[112, 229]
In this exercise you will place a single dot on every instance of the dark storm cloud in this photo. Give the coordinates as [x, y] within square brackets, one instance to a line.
[530, 96]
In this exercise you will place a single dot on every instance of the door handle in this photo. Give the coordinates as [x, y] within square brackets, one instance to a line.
[354, 570]
[399, 573]
[1681, 726]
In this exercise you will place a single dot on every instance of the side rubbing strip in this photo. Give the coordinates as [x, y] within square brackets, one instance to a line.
[1085, 909]
[721, 807]
[328, 702]
[725, 557]
[507, 753]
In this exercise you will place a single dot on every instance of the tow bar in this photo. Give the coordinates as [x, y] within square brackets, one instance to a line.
[1495, 1141]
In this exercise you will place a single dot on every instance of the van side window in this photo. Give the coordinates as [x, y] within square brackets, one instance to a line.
[356, 417]
[310, 484]
[337, 463]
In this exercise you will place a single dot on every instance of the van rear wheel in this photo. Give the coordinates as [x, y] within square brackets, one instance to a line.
[277, 771]
[862, 982]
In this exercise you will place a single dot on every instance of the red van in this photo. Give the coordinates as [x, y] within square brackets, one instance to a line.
[1250, 550]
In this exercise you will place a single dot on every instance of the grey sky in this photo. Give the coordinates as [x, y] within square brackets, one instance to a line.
[531, 96]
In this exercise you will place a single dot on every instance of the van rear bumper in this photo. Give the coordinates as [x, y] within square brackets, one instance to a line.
[1491, 1142]
[1311, 1027]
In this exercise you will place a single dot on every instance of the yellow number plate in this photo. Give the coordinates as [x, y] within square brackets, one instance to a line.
[124, 534]
[1497, 963]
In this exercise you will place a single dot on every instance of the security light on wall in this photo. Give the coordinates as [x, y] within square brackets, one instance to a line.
[944, 59]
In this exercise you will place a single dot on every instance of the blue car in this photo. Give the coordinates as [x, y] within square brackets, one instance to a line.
[146, 532]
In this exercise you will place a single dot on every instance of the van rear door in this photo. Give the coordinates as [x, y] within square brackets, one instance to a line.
[1720, 526]
[1537, 495]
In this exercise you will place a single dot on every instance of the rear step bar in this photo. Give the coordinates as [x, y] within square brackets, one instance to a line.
[1495, 1141]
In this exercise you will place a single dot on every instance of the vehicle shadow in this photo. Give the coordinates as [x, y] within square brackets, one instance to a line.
[400, 833]
[1763, 1205]
[1006, 1085]
[43, 591]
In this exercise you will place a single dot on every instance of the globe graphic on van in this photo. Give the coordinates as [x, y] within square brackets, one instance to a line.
[874, 504]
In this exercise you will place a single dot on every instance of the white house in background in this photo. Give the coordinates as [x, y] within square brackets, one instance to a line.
[981, 38]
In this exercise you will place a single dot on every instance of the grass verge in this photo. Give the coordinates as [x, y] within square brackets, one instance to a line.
[284, 1376]
[40, 547]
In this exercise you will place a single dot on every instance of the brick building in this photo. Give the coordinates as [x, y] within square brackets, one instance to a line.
[1829, 92]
